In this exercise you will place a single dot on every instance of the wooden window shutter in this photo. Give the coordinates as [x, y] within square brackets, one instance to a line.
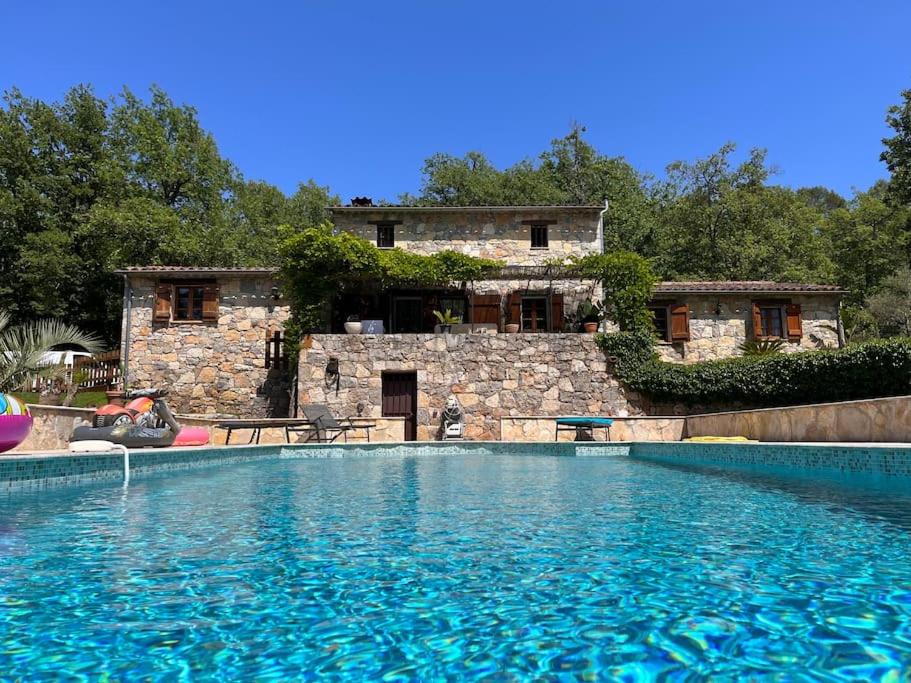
[757, 322]
[485, 308]
[515, 308]
[680, 322]
[795, 328]
[556, 312]
[162, 311]
[210, 303]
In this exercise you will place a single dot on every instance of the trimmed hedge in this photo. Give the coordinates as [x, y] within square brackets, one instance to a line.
[866, 370]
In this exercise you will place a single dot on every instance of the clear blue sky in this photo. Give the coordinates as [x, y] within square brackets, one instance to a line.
[358, 94]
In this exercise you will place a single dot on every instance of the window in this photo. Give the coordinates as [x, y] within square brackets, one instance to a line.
[188, 302]
[385, 235]
[768, 320]
[454, 304]
[534, 314]
[671, 321]
[539, 236]
[660, 322]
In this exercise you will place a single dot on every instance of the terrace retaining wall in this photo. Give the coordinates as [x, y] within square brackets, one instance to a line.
[493, 376]
[870, 420]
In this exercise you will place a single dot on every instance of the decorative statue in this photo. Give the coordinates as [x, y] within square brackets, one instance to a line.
[453, 419]
[15, 422]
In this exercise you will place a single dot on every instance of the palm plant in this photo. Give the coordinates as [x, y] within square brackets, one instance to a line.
[23, 346]
[761, 347]
[447, 318]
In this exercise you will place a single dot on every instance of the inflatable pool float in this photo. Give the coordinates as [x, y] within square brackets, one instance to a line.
[15, 422]
[192, 436]
[720, 439]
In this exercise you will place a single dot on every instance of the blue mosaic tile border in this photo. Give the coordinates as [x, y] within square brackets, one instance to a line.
[437, 448]
[38, 471]
[44, 471]
[891, 461]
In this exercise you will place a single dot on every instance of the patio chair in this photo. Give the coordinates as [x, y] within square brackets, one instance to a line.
[321, 424]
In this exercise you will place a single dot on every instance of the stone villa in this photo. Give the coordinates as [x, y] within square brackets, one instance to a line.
[204, 332]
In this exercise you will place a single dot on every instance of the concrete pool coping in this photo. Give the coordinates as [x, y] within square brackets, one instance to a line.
[39, 470]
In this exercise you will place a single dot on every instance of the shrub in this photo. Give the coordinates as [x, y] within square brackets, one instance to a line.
[865, 370]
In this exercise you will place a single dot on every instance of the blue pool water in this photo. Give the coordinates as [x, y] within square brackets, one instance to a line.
[499, 567]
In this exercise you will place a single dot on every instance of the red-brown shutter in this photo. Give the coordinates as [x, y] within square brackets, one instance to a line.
[556, 312]
[515, 309]
[795, 329]
[757, 322]
[162, 311]
[485, 309]
[210, 303]
[680, 322]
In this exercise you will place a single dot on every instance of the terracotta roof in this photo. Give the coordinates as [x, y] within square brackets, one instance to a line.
[194, 270]
[733, 286]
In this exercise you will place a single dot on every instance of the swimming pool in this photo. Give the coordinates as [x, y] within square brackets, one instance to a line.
[405, 567]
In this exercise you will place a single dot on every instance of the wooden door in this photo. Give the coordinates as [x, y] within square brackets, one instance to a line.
[407, 314]
[400, 399]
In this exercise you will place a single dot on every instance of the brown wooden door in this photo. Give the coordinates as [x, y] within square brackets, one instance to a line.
[400, 399]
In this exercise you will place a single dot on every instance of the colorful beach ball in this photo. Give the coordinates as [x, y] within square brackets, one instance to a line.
[15, 422]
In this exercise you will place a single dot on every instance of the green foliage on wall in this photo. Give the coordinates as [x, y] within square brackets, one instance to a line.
[627, 280]
[864, 370]
[318, 265]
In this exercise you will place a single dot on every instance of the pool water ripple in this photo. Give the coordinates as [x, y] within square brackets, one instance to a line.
[467, 567]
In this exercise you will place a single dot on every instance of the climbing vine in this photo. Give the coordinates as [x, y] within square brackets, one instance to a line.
[319, 265]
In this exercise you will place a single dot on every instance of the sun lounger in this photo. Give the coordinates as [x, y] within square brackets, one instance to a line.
[322, 424]
[583, 426]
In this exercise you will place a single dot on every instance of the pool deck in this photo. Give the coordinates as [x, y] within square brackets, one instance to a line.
[38, 470]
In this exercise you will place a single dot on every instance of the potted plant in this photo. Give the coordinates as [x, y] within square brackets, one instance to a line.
[353, 324]
[589, 315]
[447, 320]
[511, 328]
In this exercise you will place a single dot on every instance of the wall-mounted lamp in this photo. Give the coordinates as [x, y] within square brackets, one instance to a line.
[332, 375]
[718, 307]
[274, 296]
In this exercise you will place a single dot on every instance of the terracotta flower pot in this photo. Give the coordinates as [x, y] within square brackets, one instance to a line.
[512, 328]
[353, 328]
[591, 327]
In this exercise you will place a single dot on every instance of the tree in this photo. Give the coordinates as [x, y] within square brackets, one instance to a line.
[22, 347]
[867, 241]
[890, 307]
[897, 154]
[720, 221]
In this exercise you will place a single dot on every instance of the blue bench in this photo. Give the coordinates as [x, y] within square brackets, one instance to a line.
[581, 425]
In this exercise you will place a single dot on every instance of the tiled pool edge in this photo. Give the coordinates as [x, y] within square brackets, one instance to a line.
[869, 459]
[39, 471]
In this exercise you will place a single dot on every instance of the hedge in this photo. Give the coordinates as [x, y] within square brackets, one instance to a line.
[865, 370]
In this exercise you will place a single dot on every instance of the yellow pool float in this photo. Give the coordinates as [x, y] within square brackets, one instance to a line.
[711, 439]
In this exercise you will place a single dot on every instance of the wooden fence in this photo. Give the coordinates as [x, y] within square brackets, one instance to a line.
[275, 351]
[101, 371]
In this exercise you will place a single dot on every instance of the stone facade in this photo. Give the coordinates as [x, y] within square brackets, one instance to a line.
[714, 336]
[493, 376]
[536, 428]
[213, 367]
[503, 234]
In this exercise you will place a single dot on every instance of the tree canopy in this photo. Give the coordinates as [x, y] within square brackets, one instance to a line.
[89, 185]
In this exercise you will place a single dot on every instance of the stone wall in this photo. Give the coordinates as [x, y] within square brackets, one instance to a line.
[52, 427]
[538, 428]
[881, 419]
[493, 376]
[211, 368]
[494, 234]
[719, 336]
